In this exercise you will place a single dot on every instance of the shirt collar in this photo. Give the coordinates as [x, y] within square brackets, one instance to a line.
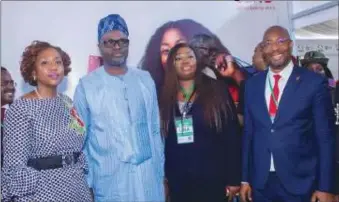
[209, 72]
[285, 73]
[5, 106]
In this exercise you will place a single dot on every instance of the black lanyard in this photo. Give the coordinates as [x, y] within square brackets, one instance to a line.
[186, 106]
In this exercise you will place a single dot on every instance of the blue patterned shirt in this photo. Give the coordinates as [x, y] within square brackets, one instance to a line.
[123, 144]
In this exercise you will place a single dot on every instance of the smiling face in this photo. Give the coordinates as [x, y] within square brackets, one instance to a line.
[185, 63]
[7, 88]
[171, 37]
[277, 48]
[49, 68]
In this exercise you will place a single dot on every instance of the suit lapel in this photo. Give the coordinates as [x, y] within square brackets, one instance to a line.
[262, 98]
[288, 93]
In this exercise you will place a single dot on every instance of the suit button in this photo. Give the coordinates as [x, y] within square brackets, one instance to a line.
[272, 130]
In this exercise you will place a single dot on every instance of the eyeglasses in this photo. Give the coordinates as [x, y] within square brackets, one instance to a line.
[111, 43]
[206, 50]
[279, 42]
[7, 83]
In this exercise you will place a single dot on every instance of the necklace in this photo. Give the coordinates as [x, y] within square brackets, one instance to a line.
[39, 96]
[187, 93]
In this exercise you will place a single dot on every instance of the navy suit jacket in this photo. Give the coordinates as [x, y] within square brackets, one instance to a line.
[337, 142]
[301, 138]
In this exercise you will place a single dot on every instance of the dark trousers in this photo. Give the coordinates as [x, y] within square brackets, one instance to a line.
[274, 191]
[191, 190]
[337, 178]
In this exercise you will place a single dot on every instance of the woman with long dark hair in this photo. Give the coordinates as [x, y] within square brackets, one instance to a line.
[160, 43]
[200, 126]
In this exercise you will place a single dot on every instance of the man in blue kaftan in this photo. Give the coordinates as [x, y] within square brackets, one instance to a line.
[124, 148]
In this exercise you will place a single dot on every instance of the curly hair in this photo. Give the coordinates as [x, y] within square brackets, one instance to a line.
[29, 57]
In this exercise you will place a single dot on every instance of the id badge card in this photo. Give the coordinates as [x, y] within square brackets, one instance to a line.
[184, 130]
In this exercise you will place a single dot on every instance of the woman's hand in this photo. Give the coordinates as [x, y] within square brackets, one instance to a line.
[225, 65]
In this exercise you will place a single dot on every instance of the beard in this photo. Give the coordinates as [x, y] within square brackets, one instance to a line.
[114, 61]
[279, 65]
[117, 62]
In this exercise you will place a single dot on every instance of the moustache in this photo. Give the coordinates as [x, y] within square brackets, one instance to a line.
[117, 54]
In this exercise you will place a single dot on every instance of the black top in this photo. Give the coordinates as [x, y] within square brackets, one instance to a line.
[213, 157]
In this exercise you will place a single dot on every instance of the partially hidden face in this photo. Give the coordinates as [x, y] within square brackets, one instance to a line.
[49, 68]
[185, 63]
[171, 37]
[206, 52]
[317, 68]
[277, 48]
[7, 88]
[114, 48]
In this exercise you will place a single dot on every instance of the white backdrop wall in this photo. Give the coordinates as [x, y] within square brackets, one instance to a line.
[314, 12]
[328, 47]
[73, 26]
[300, 6]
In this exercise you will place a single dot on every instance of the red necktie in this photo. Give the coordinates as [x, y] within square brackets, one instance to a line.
[274, 100]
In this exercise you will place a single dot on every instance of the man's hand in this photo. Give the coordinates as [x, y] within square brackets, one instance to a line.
[232, 191]
[166, 189]
[319, 196]
[336, 198]
[245, 192]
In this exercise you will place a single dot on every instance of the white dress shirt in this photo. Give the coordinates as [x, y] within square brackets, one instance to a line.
[209, 72]
[285, 75]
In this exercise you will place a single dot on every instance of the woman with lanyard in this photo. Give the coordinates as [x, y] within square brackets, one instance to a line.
[200, 126]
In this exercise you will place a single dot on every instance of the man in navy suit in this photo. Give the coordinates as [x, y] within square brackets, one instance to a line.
[288, 143]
